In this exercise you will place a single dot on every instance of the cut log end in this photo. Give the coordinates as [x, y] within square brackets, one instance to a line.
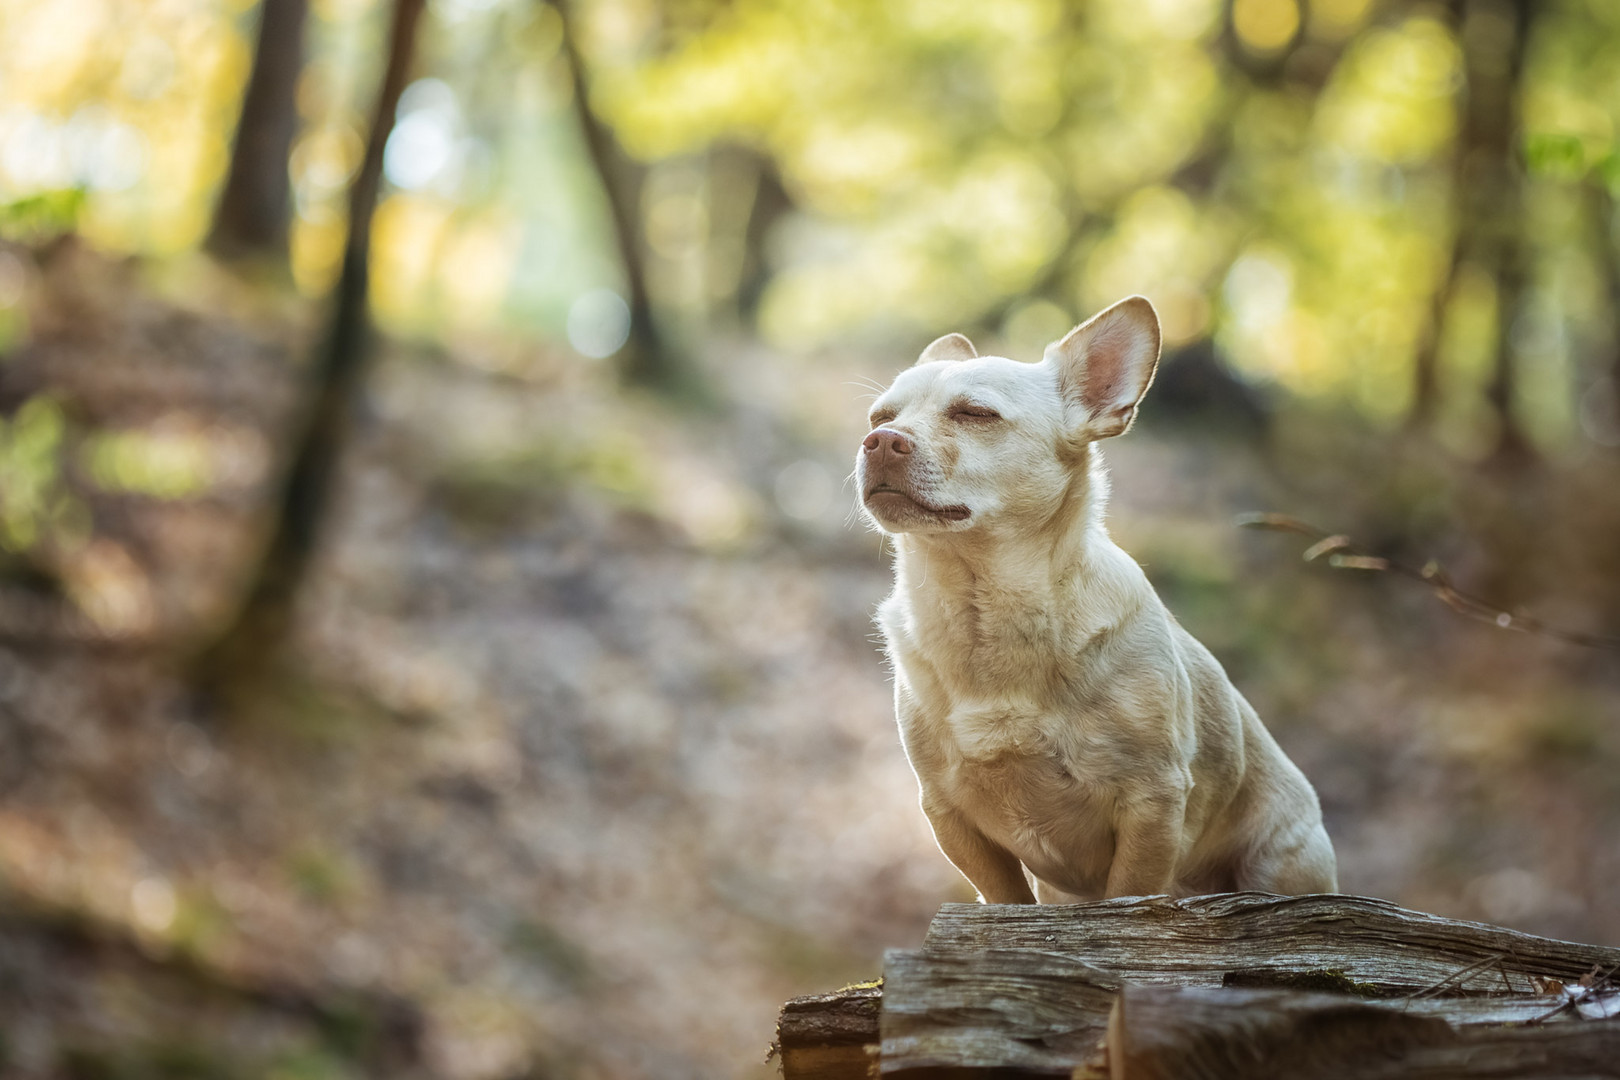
[830, 1036]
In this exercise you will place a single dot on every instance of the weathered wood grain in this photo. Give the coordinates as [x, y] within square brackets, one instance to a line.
[1177, 1033]
[1377, 947]
[1029, 1013]
[1011, 1012]
[1026, 991]
[837, 1036]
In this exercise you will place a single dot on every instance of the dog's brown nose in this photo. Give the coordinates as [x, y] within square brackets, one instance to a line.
[883, 439]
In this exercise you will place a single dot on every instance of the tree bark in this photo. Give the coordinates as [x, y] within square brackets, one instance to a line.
[251, 217]
[261, 627]
[829, 1036]
[646, 358]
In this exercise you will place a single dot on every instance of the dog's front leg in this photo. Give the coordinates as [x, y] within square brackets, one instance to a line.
[1147, 843]
[992, 869]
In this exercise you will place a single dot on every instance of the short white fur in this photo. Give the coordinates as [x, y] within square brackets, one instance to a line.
[1065, 730]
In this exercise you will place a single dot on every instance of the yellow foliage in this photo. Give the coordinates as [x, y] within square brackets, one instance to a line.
[1337, 19]
[167, 462]
[1265, 25]
[1163, 248]
[477, 264]
[315, 248]
[30, 473]
[1392, 99]
[943, 158]
[130, 100]
[406, 241]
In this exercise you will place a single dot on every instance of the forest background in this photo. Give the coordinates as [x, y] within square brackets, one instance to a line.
[434, 633]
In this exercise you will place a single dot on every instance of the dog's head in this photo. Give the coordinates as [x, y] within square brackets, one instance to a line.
[961, 441]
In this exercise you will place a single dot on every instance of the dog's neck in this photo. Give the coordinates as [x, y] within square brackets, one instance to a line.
[1001, 605]
[1031, 557]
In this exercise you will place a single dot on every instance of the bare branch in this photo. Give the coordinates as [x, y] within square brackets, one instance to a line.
[1345, 554]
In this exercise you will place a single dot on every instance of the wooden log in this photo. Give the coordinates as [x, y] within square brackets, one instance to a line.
[1026, 991]
[838, 1036]
[1172, 1033]
[1015, 1013]
[1019, 1012]
[830, 1036]
[1350, 943]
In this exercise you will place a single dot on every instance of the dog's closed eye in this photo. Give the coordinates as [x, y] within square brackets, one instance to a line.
[973, 412]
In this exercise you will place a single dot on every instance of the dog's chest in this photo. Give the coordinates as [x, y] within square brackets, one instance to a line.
[990, 678]
[1005, 730]
[1009, 757]
[1011, 771]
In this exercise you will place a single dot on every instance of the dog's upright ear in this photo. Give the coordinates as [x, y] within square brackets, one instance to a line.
[949, 347]
[1106, 364]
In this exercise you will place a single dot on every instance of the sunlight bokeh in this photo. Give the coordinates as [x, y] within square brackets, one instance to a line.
[937, 163]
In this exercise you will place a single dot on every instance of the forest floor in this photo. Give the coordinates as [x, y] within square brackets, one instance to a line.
[588, 760]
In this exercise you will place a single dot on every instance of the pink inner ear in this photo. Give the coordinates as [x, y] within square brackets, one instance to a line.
[1106, 364]
[1109, 386]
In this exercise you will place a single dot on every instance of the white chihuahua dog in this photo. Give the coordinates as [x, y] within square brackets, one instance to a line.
[1057, 716]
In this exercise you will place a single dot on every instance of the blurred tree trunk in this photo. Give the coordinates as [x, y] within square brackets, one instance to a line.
[1487, 192]
[1606, 218]
[251, 218]
[1426, 363]
[241, 655]
[769, 204]
[646, 358]
[1495, 41]
[1488, 189]
[1609, 259]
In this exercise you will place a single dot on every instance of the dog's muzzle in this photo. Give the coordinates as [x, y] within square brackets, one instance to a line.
[886, 484]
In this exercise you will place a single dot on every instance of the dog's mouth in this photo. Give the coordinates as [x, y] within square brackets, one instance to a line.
[886, 501]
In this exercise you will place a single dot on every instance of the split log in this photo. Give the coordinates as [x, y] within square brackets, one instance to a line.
[1354, 944]
[1033, 1013]
[1171, 1033]
[1014, 990]
[1009, 1012]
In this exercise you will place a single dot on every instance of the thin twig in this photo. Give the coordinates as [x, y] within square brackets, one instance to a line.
[1459, 977]
[1523, 969]
[1599, 984]
[1342, 553]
